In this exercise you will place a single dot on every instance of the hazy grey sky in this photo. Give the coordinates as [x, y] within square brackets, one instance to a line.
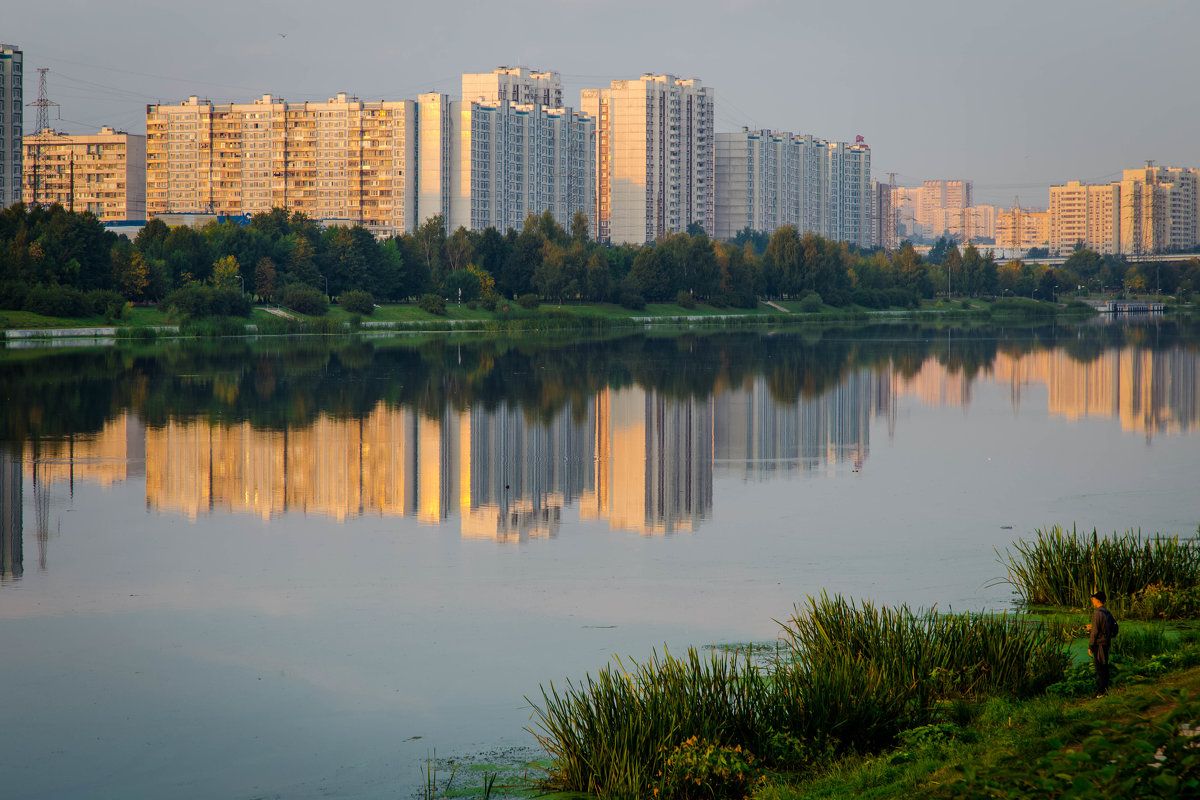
[1012, 94]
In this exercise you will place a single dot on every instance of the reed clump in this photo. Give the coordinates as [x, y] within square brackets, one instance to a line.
[1143, 576]
[850, 678]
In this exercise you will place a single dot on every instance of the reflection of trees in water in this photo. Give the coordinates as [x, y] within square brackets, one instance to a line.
[277, 384]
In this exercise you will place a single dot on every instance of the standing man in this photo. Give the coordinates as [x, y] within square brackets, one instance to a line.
[1103, 628]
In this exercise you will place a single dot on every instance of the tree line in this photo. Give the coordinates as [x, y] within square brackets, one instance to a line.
[49, 250]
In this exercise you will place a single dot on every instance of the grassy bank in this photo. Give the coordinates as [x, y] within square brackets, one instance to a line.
[580, 315]
[878, 702]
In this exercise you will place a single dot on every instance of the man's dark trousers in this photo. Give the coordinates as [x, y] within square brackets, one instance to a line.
[1100, 660]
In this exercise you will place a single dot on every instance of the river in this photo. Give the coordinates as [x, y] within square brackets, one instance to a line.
[300, 568]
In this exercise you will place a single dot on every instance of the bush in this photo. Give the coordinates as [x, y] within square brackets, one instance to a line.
[528, 301]
[632, 300]
[198, 301]
[304, 299]
[357, 301]
[106, 302]
[12, 295]
[744, 299]
[685, 300]
[811, 303]
[488, 303]
[432, 304]
[702, 769]
[57, 301]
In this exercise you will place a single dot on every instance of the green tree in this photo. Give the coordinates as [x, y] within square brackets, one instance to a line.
[430, 238]
[265, 278]
[131, 272]
[225, 273]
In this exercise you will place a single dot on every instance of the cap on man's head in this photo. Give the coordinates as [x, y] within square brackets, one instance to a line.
[1100, 596]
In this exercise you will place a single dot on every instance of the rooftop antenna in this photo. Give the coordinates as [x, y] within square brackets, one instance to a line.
[42, 104]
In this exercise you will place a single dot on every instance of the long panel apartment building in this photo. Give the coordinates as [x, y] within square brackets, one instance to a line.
[508, 149]
[655, 157]
[767, 179]
[103, 173]
[344, 159]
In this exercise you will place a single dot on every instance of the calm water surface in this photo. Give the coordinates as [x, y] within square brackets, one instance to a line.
[297, 569]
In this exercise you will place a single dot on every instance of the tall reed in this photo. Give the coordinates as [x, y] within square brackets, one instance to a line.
[611, 734]
[865, 672]
[1064, 568]
[851, 677]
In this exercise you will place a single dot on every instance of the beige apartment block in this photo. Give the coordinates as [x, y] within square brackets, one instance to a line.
[654, 157]
[1159, 210]
[1022, 228]
[342, 161]
[1087, 214]
[938, 195]
[103, 173]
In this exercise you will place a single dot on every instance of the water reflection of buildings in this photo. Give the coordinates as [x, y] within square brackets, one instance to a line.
[1148, 391]
[756, 435]
[632, 457]
[12, 562]
[653, 461]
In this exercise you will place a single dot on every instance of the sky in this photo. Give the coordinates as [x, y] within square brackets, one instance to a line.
[1012, 94]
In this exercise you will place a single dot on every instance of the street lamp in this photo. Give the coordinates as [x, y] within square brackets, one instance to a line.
[322, 277]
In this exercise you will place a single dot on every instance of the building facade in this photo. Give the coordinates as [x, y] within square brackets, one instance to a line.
[767, 179]
[389, 165]
[938, 195]
[518, 85]
[655, 157]
[1159, 210]
[885, 218]
[103, 173]
[509, 161]
[1022, 228]
[343, 160]
[757, 182]
[1087, 215]
[12, 107]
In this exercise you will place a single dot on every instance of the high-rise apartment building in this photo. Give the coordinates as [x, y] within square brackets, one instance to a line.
[11, 126]
[852, 200]
[1022, 228]
[758, 181]
[1087, 214]
[518, 85]
[344, 160]
[885, 218]
[1159, 210]
[509, 161]
[655, 158]
[942, 194]
[487, 161]
[386, 165]
[103, 173]
[768, 179]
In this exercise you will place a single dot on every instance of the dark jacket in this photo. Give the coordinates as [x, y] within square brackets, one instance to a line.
[1101, 635]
